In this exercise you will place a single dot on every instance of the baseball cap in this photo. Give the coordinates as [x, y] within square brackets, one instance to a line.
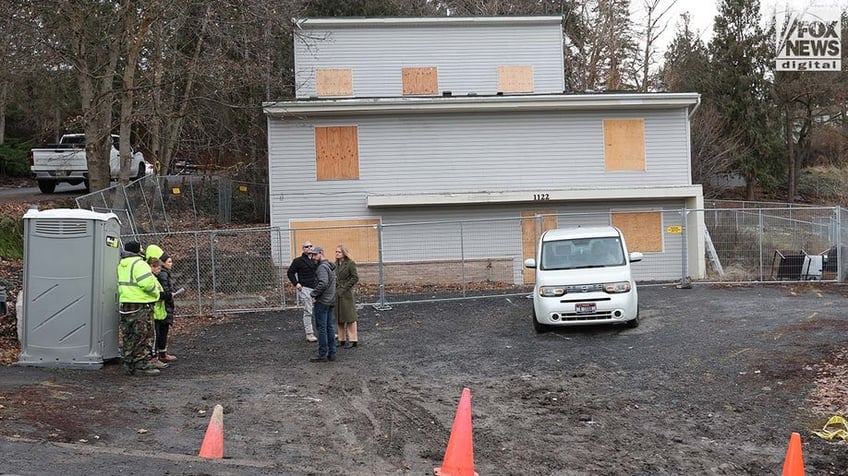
[315, 250]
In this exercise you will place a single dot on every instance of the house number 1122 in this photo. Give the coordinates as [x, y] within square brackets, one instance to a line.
[541, 196]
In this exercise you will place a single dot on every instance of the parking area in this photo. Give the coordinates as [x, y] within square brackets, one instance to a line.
[713, 381]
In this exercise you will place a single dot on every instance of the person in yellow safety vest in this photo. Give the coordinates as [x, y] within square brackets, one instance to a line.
[153, 251]
[156, 252]
[137, 293]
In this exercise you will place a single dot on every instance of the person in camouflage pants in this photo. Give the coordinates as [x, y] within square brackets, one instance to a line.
[138, 291]
[136, 332]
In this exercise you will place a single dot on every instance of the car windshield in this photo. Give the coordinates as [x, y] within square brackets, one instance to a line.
[582, 253]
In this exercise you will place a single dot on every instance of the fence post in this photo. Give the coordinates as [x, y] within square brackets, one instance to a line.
[462, 257]
[146, 204]
[279, 265]
[162, 202]
[760, 231]
[839, 257]
[381, 304]
[197, 267]
[214, 280]
[684, 279]
[193, 202]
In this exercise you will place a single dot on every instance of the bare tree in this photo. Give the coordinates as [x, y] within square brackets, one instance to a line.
[599, 48]
[653, 26]
[137, 18]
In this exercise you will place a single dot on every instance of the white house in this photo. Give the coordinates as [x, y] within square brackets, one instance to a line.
[439, 119]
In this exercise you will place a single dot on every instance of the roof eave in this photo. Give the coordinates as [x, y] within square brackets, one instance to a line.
[330, 107]
[353, 22]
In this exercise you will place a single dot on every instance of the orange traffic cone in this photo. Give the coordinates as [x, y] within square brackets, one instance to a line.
[459, 457]
[794, 464]
[213, 442]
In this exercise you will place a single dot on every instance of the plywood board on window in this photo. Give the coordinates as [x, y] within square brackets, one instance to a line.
[337, 152]
[420, 81]
[624, 144]
[642, 231]
[531, 231]
[515, 79]
[358, 235]
[334, 82]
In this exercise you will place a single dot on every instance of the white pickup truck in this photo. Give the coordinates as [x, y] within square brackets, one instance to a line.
[66, 162]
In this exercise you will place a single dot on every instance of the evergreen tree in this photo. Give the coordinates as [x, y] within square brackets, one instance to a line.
[740, 62]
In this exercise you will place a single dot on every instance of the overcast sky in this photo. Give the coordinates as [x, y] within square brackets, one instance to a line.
[702, 13]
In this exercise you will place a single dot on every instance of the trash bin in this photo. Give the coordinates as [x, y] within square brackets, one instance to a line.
[70, 310]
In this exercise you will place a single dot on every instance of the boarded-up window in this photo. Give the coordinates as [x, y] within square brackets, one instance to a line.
[642, 230]
[418, 81]
[337, 152]
[515, 79]
[334, 82]
[624, 144]
[358, 235]
[531, 230]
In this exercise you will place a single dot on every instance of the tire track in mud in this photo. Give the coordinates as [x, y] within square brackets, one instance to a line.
[389, 423]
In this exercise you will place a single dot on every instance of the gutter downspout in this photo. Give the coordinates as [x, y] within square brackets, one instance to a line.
[695, 108]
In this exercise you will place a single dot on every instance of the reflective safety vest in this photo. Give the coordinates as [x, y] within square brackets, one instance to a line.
[159, 311]
[136, 283]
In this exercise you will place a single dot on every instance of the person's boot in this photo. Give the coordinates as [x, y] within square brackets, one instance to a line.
[166, 357]
[158, 364]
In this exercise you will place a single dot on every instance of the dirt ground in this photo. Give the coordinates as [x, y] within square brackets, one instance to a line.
[714, 381]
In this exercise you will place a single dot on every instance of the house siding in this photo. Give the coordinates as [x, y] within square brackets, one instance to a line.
[467, 56]
[468, 153]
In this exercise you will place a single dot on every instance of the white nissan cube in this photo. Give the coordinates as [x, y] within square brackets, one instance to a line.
[583, 278]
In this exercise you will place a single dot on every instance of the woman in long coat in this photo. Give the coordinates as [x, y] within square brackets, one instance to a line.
[345, 304]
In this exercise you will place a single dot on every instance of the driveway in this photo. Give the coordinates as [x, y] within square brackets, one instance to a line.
[714, 381]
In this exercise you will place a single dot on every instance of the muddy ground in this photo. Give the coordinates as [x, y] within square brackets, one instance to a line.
[714, 381]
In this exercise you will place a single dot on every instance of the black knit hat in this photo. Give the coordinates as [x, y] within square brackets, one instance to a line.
[164, 257]
[132, 247]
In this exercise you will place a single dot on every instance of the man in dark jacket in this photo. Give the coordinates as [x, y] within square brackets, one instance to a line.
[324, 298]
[301, 274]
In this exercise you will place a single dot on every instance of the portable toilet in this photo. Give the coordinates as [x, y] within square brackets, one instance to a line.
[70, 311]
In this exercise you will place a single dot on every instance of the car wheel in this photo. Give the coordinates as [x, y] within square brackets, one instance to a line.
[47, 186]
[633, 323]
[538, 326]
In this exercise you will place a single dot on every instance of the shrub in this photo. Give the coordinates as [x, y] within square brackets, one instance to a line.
[13, 159]
[11, 237]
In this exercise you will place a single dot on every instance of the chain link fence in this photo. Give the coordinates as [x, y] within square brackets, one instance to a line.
[161, 204]
[244, 270]
[775, 244]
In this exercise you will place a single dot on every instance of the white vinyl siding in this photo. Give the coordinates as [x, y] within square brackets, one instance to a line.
[463, 153]
[466, 56]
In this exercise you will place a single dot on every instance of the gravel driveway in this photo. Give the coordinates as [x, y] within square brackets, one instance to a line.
[714, 381]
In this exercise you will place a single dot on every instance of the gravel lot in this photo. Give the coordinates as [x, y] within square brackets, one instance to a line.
[713, 382]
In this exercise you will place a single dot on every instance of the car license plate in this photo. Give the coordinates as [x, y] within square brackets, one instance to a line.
[584, 307]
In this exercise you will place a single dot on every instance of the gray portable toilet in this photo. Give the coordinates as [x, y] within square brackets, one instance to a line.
[70, 311]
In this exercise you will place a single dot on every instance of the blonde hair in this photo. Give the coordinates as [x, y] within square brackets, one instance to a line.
[345, 251]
